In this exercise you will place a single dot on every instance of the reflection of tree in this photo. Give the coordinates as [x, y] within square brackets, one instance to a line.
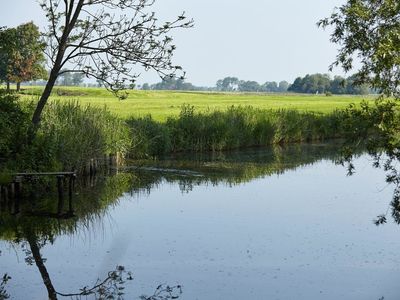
[378, 128]
[3, 292]
[37, 224]
[109, 288]
[35, 250]
[32, 230]
[164, 292]
[36, 228]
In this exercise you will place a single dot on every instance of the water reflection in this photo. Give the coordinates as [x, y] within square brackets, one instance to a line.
[383, 157]
[229, 168]
[38, 222]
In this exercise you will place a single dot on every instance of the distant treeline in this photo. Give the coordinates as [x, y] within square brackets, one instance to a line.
[169, 83]
[322, 83]
[310, 84]
[228, 84]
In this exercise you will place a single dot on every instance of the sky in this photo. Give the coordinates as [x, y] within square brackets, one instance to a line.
[261, 40]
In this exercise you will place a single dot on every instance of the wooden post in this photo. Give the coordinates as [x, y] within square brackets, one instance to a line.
[110, 160]
[5, 194]
[17, 195]
[60, 189]
[12, 190]
[71, 188]
[1, 198]
[91, 167]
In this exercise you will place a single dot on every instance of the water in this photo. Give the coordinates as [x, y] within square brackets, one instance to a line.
[260, 224]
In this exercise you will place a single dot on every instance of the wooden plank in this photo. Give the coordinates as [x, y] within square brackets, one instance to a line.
[46, 174]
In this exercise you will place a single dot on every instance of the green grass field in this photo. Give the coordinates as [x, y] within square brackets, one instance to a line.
[162, 104]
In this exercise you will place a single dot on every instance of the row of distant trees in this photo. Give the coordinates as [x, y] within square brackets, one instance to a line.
[171, 83]
[310, 84]
[323, 83]
[228, 84]
[22, 60]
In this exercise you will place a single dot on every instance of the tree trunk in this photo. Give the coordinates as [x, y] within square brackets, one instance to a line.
[51, 291]
[18, 86]
[8, 86]
[43, 99]
[69, 26]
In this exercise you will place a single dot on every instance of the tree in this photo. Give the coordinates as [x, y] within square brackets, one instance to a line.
[283, 86]
[65, 79]
[315, 83]
[296, 86]
[171, 83]
[354, 88]
[77, 79]
[249, 86]
[106, 40]
[339, 85]
[21, 52]
[6, 38]
[270, 86]
[70, 79]
[369, 30]
[228, 84]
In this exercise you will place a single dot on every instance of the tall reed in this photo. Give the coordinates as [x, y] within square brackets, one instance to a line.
[70, 135]
[236, 127]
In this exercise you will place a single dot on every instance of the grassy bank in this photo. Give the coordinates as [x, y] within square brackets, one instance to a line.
[72, 132]
[163, 104]
[69, 136]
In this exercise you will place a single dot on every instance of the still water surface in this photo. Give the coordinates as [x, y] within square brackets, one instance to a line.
[265, 224]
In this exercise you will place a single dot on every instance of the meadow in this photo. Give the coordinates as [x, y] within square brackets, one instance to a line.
[163, 104]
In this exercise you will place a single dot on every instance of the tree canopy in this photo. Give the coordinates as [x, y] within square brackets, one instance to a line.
[322, 83]
[368, 31]
[109, 40]
[21, 54]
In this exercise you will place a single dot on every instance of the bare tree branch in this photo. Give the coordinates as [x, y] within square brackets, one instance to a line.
[108, 40]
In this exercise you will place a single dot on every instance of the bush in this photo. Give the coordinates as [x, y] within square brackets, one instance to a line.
[14, 121]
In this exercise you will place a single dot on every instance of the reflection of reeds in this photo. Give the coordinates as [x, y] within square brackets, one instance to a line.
[228, 168]
[91, 204]
[93, 200]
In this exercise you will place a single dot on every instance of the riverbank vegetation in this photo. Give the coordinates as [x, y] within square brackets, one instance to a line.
[69, 136]
[73, 132]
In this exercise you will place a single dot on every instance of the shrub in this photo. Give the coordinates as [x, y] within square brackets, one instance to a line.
[14, 121]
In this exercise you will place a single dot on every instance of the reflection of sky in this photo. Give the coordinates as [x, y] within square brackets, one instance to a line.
[306, 234]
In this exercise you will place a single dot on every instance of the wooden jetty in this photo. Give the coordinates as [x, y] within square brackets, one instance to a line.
[11, 192]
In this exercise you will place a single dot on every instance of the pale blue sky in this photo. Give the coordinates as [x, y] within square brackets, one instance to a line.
[262, 40]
